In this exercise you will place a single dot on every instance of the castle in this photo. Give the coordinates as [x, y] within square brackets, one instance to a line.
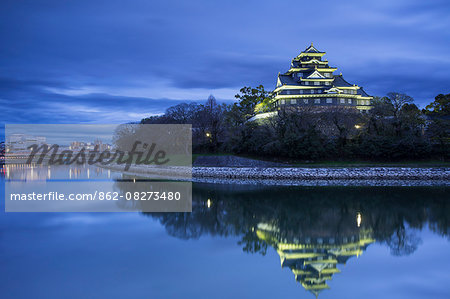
[310, 82]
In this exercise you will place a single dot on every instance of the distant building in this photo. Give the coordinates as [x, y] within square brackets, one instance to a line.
[77, 145]
[35, 140]
[310, 82]
[21, 142]
[89, 146]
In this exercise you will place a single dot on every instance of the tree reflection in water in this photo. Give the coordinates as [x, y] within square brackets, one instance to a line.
[312, 229]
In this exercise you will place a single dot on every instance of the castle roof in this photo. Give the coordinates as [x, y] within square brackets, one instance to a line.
[340, 82]
[362, 92]
[312, 49]
[287, 79]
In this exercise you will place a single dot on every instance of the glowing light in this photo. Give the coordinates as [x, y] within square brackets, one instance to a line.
[208, 134]
[357, 126]
[208, 203]
[358, 219]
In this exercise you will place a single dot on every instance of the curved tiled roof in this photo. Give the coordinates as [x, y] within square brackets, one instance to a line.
[340, 82]
[287, 79]
[362, 92]
[311, 49]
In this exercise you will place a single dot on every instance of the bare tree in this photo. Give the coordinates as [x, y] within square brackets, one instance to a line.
[398, 100]
[182, 113]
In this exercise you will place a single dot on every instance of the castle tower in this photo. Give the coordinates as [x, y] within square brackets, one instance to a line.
[310, 81]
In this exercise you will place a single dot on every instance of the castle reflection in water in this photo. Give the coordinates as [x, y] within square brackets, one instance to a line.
[314, 260]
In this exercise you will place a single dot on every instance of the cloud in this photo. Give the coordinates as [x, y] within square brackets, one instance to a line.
[28, 102]
[104, 61]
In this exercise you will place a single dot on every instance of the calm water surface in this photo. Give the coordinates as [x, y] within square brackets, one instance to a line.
[239, 242]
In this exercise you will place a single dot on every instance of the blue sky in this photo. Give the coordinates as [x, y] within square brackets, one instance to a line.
[107, 61]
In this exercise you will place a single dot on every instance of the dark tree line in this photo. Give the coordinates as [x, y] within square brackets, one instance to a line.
[395, 129]
[208, 122]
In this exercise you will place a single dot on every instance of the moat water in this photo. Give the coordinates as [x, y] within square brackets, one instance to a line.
[240, 241]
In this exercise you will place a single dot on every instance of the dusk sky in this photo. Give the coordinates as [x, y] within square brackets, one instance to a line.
[107, 61]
